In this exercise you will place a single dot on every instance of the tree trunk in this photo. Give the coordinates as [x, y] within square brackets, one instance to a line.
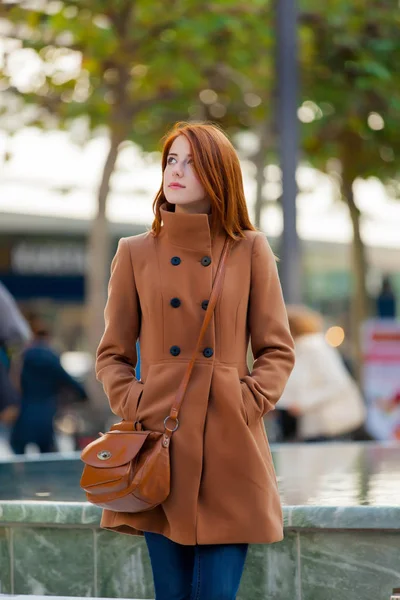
[359, 300]
[259, 162]
[97, 271]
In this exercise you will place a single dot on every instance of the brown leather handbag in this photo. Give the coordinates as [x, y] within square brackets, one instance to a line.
[128, 469]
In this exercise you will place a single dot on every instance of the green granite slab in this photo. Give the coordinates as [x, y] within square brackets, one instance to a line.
[347, 566]
[5, 561]
[123, 566]
[283, 569]
[271, 571]
[53, 561]
[255, 575]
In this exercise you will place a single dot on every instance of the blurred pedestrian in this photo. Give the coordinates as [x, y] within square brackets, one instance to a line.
[386, 301]
[41, 379]
[320, 391]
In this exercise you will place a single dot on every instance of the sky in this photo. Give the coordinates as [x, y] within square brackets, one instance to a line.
[48, 174]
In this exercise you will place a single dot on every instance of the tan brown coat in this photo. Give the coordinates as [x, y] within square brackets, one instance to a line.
[223, 482]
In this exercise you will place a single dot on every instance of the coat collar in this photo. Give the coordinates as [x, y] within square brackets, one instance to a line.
[187, 230]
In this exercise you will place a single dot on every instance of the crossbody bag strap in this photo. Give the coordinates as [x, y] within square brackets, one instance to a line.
[216, 290]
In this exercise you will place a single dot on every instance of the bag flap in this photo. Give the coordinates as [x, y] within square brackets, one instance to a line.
[114, 448]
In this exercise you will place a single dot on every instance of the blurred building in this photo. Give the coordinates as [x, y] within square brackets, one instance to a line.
[42, 263]
[43, 258]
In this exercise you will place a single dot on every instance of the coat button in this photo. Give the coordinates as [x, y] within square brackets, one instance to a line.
[175, 350]
[175, 302]
[208, 352]
[204, 304]
[205, 261]
[175, 260]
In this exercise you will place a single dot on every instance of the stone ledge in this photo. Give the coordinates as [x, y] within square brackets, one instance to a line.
[84, 514]
[49, 513]
[344, 517]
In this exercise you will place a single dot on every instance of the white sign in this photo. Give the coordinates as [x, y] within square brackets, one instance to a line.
[381, 346]
[29, 258]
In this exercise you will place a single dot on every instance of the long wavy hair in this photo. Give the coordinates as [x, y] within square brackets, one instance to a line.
[218, 169]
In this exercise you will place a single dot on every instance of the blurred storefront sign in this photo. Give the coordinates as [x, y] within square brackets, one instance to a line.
[381, 340]
[48, 258]
[43, 262]
[49, 268]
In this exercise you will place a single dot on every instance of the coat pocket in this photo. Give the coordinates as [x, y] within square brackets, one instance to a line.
[244, 389]
[134, 398]
[249, 403]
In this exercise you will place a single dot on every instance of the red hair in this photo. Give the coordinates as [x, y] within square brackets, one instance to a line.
[218, 169]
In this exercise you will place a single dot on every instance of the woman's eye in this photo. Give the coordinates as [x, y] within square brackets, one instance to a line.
[170, 159]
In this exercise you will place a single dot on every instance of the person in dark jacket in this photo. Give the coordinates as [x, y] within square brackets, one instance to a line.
[41, 379]
[386, 301]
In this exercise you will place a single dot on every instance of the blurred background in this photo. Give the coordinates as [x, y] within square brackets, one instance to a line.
[309, 95]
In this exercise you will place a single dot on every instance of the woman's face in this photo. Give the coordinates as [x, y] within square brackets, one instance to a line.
[180, 183]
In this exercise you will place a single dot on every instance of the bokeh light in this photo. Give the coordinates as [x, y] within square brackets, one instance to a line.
[335, 336]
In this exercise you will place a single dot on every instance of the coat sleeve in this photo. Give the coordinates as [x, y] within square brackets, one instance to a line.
[116, 355]
[271, 342]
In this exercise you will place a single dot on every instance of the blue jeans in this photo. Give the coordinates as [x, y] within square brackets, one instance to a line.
[209, 572]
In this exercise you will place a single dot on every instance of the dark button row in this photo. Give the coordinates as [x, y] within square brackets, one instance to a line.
[205, 261]
[175, 303]
[175, 351]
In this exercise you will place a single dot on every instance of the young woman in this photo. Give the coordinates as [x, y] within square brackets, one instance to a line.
[223, 487]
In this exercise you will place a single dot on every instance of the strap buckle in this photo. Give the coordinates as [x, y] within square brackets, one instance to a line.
[176, 424]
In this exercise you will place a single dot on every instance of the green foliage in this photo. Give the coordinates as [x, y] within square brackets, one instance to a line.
[349, 53]
[139, 65]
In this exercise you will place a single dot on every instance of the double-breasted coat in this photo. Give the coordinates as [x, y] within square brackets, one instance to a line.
[223, 485]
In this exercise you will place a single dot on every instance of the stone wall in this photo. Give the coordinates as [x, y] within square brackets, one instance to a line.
[329, 553]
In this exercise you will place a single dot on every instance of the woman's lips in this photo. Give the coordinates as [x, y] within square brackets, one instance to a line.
[176, 186]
